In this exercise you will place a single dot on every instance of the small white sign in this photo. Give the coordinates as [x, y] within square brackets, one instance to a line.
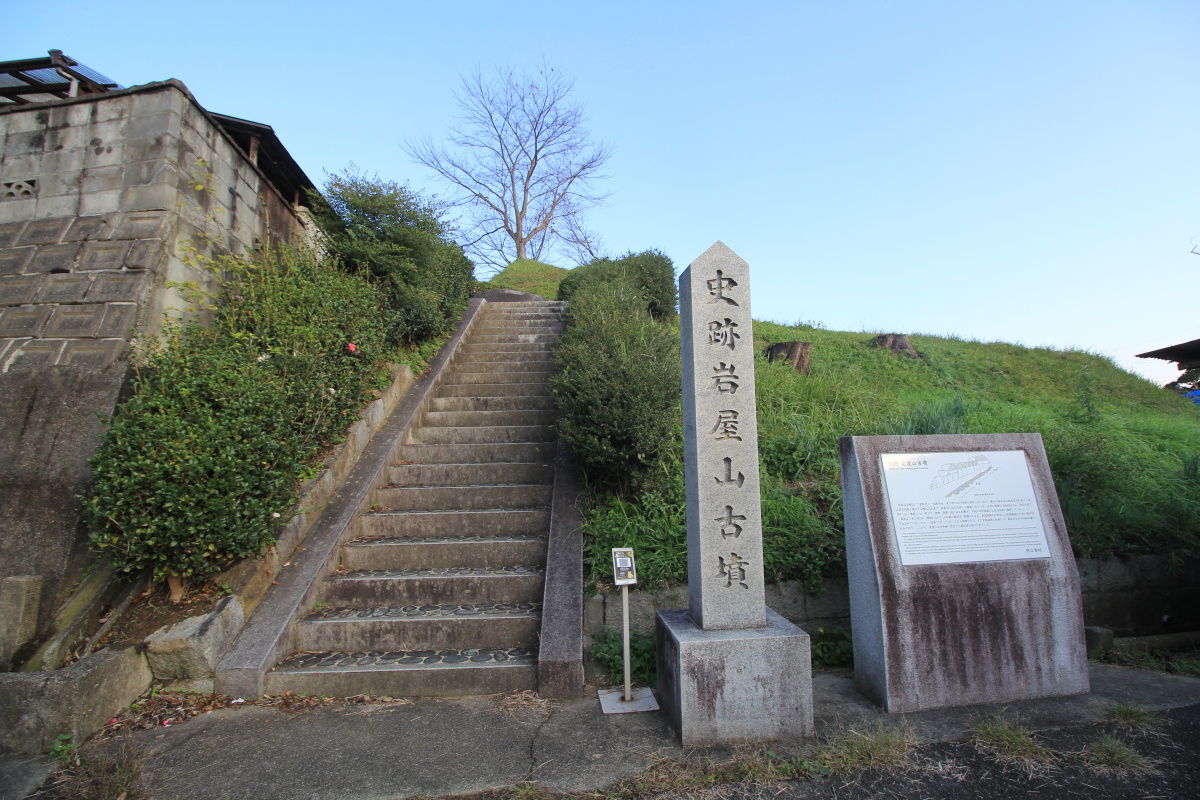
[624, 570]
[955, 508]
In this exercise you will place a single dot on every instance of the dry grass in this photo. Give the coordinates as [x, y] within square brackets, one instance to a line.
[1113, 756]
[526, 700]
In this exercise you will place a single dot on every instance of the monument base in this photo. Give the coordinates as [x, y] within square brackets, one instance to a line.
[739, 685]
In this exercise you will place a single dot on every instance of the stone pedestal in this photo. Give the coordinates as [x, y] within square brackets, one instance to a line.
[728, 686]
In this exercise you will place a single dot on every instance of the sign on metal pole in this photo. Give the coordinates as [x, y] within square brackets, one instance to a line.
[617, 701]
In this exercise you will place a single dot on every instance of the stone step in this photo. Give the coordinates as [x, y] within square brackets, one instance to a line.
[474, 362]
[468, 474]
[514, 338]
[484, 435]
[503, 374]
[437, 498]
[433, 586]
[505, 325]
[467, 522]
[421, 627]
[522, 452]
[493, 389]
[436, 552]
[404, 674]
[463, 419]
[493, 403]
[541, 351]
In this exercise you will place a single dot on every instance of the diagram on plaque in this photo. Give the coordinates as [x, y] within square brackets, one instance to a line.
[954, 508]
[962, 476]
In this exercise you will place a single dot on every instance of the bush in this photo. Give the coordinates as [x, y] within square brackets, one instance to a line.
[618, 390]
[651, 271]
[608, 649]
[202, 464]
[386, 230]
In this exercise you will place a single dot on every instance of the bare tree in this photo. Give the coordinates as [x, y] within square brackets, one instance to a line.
[522, 163]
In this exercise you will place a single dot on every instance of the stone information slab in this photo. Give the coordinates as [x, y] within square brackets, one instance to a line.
[963, 587]
[729, 670]
[954, 508]
[720, 434]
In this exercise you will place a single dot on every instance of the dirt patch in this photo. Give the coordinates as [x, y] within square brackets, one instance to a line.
[153, 609]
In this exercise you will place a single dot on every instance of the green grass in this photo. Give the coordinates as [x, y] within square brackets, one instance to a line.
[1010, 743]
[1131, 717]
[1178, 662]
[529, 276]
[1125, 453]
[1109, 754]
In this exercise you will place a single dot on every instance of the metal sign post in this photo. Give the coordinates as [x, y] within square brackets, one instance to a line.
[614, 701]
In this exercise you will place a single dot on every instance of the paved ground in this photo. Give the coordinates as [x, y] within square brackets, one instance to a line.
[447, 747]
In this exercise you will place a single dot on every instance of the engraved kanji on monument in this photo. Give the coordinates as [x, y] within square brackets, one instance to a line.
[725, 570]
[729, 669]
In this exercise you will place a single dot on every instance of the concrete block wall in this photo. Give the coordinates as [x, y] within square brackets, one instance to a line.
[104, 201]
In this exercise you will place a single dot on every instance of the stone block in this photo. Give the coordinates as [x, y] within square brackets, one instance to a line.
[36, 354]
[24, 142]
[18, 210]
[101, 202]
[22, 167]
[64, 162]
[74, 321]
[1089, 574]
[7, 348]
[60, 184]
[103, 153]
[100, 179]
[85, 228]
[152, 197]
[112, 108]
[721, 687]
[1099, 640]
[145, 254]
[162, 123]
[142, 225]
[20, 596]
[149, 170]
[1117, 576]
[103, 255]
[192, 648]
[36, 707]
[960, 625]
[46, 231]
[65, 138]
[16, 290]
[832, 602]
[23, 321]
[10, 232]
[67, 288]
[14, 260]
[53, 258]
[93, 354]
[58, 205]
[127, 287]
[119, 320]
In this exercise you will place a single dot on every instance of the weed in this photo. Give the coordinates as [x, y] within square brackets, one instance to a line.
[1011, 743]
[1110, 754]
[832, 648]
[114, 774]
[64, 750]
[1186, 662]
[879, 746]
[528, 790]
[1131, 717]
[609, 650]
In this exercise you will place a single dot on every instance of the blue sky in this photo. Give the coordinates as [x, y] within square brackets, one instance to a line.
[1016, 171]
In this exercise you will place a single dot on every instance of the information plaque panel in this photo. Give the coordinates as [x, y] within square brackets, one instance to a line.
[956, 508]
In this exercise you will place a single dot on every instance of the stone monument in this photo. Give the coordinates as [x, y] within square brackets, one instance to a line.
[963, 588]
[729, 668]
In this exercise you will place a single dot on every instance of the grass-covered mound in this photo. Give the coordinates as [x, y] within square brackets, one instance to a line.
[532, 277]
[1125, 453]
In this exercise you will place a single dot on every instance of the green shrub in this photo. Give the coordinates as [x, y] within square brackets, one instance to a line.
[202, 464]
[651, 271]
[618, 388]
[386, 230]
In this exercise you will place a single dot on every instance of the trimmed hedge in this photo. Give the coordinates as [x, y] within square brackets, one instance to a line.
[652, 272]
[202, 464]
[618, 389]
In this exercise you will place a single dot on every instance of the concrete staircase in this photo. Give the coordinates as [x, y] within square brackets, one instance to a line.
[439, 590]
